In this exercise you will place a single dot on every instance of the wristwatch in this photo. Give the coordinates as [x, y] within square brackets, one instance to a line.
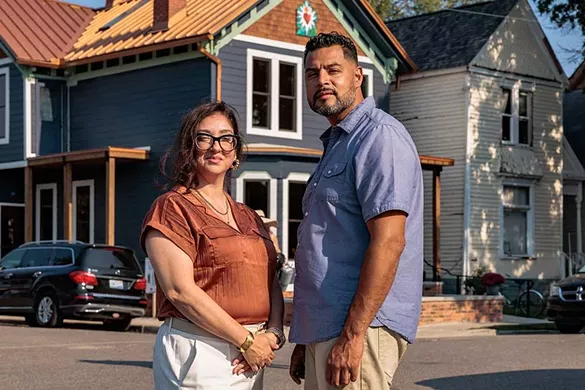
[247, 343]
[279, 335]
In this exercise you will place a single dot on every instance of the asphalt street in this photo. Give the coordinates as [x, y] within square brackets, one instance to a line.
[85, 357]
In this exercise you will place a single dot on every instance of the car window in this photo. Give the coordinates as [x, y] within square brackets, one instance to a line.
[37, 257]
[109, 258]
[62, 256]
[12, 260]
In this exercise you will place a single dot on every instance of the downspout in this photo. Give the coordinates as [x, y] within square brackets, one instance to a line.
[467, 188]
[218, 70]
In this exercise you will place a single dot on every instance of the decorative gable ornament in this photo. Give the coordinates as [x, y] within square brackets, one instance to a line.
[306, 20]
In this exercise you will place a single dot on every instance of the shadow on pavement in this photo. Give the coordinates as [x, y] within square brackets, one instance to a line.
[145, 364]
[68, 324]
[518, 380]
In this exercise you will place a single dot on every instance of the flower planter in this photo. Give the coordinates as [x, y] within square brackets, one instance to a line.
[493, 290]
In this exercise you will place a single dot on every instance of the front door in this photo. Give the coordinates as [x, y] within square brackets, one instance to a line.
[11, 228]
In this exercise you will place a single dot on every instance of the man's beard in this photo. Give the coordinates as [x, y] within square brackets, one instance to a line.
[341, 103]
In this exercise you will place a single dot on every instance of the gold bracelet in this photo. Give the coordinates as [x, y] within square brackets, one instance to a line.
[247, 343]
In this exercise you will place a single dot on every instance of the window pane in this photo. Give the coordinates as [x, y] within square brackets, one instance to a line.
[287, 80]
[2, 122]
[516, 196]
[62, 257]
[82, 214]
[295, 214]
[37, 258]
[108, 258]
[260, 111]
[515, 230]
[256, 195]
[523, 131]
[506, 128]
[261, 77]
[46, 211]
[12, 259]
[286, 114]
[523, 108]
[508, 99]
[365, 84]
[3, 90]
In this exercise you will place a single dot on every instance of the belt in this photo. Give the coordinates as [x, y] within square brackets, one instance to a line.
[189, 327]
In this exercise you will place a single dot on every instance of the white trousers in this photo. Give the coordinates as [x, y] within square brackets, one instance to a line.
[198, 360]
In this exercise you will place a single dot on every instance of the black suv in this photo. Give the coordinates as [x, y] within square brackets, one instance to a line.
[566, 303]
[51, 281]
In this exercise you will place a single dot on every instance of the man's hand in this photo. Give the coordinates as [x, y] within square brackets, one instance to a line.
[344, 360]
[297, 364]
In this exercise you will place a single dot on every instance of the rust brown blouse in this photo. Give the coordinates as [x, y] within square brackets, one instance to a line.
[236, 269]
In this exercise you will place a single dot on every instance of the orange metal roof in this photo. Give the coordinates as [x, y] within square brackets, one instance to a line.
[41, 32]
[204, 18]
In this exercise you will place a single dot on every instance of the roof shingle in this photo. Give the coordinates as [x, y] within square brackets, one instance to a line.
[450, 38]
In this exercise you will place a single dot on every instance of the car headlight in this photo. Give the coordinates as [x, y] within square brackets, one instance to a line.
[555, 290]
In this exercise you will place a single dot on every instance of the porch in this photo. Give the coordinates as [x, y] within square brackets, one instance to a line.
[108, 157]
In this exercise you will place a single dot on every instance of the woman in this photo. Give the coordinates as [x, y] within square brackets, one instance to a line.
[214, 264]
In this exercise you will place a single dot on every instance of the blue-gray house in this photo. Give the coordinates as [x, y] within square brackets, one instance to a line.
[91, 99]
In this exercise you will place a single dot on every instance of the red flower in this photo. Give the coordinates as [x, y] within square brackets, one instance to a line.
[492, 279]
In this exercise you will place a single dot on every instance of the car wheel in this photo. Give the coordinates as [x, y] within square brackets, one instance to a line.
[121, 325]
[568, 328]
[47, 311]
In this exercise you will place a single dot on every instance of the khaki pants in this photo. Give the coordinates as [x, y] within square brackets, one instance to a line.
[383, 350]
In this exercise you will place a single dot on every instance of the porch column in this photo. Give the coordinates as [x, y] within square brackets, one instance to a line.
[110, 199]
[579, 200]
[437, 224]
[28, 204]
[67, 203]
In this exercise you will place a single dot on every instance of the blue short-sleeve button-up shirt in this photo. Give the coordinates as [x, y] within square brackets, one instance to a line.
[370, 165]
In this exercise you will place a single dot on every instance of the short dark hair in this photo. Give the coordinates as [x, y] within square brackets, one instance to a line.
[182, 156]
[331, 39]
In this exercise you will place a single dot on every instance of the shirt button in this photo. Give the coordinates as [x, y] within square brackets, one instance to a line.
[314, 184]
[329, 171]
[306, 214]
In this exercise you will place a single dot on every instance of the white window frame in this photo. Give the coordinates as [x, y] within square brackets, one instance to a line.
[293, 177]
[6, 72]
[39, 188]
[515, 90]
[530, 228]
[274, 59]
[75, 186]
[258, 176]
[370, 86]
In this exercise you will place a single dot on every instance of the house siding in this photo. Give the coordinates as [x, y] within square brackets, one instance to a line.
[485, 220]
[14, 150]
[514, 47]
[433, 111]
[134, 109]
[234, 59]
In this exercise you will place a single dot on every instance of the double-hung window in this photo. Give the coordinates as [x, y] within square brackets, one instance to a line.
[516, 116]
[518, 220]
[4, 105]
[274, 95]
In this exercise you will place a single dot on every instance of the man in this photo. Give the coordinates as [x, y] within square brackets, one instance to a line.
[359, 261]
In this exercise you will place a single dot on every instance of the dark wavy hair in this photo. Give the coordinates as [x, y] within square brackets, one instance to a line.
[329, 39]
[179, 164]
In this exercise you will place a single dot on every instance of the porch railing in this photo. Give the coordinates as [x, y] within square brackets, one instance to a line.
[573, 261]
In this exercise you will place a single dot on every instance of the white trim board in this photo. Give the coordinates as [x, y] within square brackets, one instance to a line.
[39, 188]
[75, 185]
[370, 74]
[275, 60]
[6, 72]
[284, 45]
[13, 165]
[5, 61]
[259, 176]
[293, 177]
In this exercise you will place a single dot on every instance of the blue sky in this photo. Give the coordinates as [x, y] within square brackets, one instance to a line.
[560, 39]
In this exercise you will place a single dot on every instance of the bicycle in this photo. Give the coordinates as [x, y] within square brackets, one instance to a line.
[530, 302]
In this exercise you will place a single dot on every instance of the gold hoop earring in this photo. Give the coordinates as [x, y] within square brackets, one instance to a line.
[235, 165]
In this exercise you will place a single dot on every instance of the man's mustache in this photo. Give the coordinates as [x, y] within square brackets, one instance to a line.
[324, 90]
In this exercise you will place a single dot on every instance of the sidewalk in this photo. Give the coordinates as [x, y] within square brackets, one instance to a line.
[509, 325]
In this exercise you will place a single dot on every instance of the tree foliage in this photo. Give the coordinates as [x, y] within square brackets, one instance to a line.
[396, 9]
[564, 12]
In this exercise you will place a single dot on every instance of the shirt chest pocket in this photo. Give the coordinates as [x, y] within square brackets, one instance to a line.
[334, 182]
[220, 246]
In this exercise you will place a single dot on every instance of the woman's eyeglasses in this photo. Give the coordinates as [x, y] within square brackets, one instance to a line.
[227, 142]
